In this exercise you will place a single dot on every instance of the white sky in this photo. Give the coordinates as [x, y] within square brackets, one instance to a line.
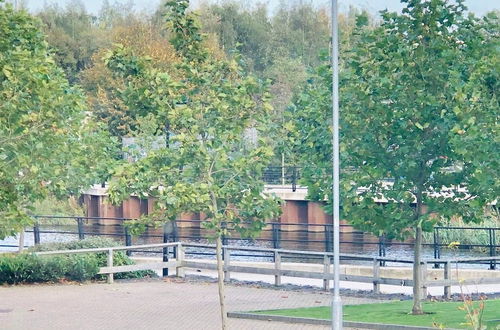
[479, 7]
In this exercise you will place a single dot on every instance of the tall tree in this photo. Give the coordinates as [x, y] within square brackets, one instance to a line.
[415, 94]
[45, 136]
[73, 34]
[209, 166]
[106, 88]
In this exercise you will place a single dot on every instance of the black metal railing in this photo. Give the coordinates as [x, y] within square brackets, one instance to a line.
[308, 237]
[446, 236]
[279, 175]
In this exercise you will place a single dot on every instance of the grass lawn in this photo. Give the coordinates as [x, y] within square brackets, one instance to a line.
[447, 314]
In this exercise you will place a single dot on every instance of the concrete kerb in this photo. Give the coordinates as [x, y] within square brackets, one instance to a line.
[304, 320]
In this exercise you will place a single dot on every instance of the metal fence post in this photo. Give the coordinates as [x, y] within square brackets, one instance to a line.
[328, 238]
[381, 249]
[165, 249]
[36, 234]
[276, 235]
[294, 178]
[81, 231]
[128, 241]
[437, 252]
[492, 248]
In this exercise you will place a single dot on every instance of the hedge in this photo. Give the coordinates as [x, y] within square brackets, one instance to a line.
[29, 268]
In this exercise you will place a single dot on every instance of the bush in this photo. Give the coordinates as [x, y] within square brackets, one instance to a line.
[83, 267]
[88, 243]
[30, 268]
[119, 257]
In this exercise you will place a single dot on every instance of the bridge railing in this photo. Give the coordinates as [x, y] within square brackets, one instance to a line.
[282, 175]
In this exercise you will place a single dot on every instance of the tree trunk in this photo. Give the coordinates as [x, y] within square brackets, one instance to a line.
[417, 272]
[220, 281]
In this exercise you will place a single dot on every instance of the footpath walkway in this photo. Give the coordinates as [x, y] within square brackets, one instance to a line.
[146, 304]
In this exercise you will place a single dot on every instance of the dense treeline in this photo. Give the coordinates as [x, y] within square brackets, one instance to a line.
[281, 47]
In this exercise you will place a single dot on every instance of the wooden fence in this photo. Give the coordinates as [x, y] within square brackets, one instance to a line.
[180, 263]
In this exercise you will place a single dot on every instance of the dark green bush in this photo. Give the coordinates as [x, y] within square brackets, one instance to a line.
[83, 267]
[30, 268]
[16, 268]
[119, 258]
[88, 243]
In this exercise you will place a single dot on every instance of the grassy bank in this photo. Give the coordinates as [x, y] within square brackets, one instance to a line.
[447, 314]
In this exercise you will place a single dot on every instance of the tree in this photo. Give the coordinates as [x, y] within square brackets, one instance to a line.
[73, 34]
[416, 94]
[45, 136]
[105, 87]
[209, 166]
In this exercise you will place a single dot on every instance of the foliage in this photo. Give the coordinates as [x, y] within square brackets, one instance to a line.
[279, 46]
[119, 257]
[46, 138]
[411, 100]
[75, 35]
[474, 312]
[29, 268]
[54, 206]
[107, 91]
[72, 34]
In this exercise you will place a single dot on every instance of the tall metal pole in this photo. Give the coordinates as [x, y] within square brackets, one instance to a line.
[336, 302]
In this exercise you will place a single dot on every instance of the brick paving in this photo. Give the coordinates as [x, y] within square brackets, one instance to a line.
[146, 304]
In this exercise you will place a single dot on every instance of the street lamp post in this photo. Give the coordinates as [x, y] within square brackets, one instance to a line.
[336, 301]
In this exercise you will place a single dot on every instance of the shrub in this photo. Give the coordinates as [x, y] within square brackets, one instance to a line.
[88, 243]
[119, 257]
[30, 268]
[83, 267]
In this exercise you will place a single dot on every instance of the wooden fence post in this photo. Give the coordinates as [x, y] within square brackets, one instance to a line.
[326, 272]
[376, 276]
[447, 276]
[179, 272]
[277, 268]
[110, 264]
[227, 263]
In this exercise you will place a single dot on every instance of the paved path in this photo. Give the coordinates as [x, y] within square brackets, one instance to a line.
[153, 304]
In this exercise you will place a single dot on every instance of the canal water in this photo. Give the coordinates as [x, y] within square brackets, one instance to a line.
[351, 242]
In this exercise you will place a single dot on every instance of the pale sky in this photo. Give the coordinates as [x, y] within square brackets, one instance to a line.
[479, 7]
